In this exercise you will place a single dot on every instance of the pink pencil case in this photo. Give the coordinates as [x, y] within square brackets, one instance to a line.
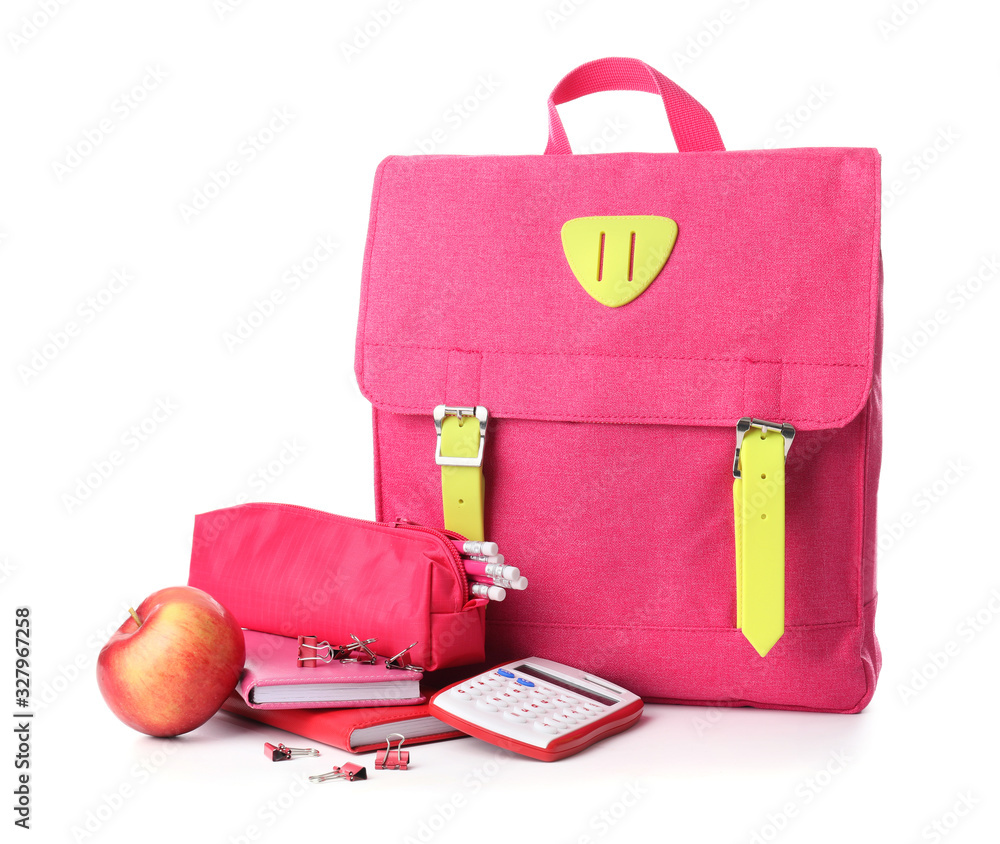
[295, 571]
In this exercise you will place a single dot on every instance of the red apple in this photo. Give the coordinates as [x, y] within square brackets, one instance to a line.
[173, 662]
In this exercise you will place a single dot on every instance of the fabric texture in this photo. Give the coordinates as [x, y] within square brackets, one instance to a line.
[294, 571]
[609, 456]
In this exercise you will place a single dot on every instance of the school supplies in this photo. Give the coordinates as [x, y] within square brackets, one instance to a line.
[312, 652]
[348, 771]
[281, 753]
[566, 348]
[491, 593]
[355, 730]
[473, 548]
[291, 570]
[393, 758]
[488, 574]
[272, 679]
[538, 708]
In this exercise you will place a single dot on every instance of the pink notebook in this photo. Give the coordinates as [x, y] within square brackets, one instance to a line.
[272, 680]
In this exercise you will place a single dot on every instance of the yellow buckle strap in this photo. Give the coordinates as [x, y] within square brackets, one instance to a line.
[759, 516]
[461, 433]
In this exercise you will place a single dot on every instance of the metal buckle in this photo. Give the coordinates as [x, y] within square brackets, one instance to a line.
[480, 413]
[746, 423]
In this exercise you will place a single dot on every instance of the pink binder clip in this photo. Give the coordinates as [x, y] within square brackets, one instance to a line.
[392, 759]
[348, 771]
[309, 649]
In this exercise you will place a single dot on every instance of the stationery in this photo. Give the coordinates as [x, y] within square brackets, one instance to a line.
[355, 730]
[272, 679]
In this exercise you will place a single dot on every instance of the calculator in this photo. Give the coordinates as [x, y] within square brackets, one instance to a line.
[537, 707]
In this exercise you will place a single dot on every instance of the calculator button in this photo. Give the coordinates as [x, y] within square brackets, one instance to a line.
[516, 690]
[515, 716]
[567, 700]
[483, 703]
[463, 694]
[579, 713]
[524, 682]
[503, 672]
[561, 719]
[594, 709]
[546, 726]
[548, 703]
[529, 713]
[498, 702]
[473, 690]
[537, 708]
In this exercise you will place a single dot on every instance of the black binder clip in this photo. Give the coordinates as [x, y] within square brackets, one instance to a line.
[348, 771]
[401, 661]
[280, 753]
[392, 758]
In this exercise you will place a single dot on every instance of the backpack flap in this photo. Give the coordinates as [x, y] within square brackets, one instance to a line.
[766, 305]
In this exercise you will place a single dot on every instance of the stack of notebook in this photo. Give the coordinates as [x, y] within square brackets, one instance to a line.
[353, 706]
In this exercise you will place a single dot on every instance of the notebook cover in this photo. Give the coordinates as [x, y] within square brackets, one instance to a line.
[271, 661]
[335, 726]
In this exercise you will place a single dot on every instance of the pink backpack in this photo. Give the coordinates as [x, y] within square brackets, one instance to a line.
[616, 373]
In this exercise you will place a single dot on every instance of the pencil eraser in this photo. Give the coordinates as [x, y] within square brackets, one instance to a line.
[489, 548]
[496, 593]
[520, 583]
[511, 573]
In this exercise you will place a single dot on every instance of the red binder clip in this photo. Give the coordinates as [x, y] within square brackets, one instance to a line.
[401, 660]
[349, 772]
[392, 759]
[280, 753]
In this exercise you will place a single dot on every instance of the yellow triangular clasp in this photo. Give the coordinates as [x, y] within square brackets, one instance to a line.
[616, 258]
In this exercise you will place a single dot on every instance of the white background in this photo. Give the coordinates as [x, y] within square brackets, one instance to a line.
[916, 80]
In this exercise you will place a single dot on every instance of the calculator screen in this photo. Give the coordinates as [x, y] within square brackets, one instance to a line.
[565, 684]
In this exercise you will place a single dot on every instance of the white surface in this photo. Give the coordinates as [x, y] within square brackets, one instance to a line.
[279, 417]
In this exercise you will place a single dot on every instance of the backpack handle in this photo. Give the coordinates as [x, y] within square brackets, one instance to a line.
[693, 127]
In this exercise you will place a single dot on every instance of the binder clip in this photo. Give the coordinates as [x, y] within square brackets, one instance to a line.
[309, 652]
[392, 759]
[400, 661]
[343, 651]
[348, 771]
[280, 753]
[358, 644]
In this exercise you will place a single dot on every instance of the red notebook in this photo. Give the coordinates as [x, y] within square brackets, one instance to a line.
[353, 730]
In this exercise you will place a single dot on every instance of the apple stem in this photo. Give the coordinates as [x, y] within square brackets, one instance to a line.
[135, 615]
